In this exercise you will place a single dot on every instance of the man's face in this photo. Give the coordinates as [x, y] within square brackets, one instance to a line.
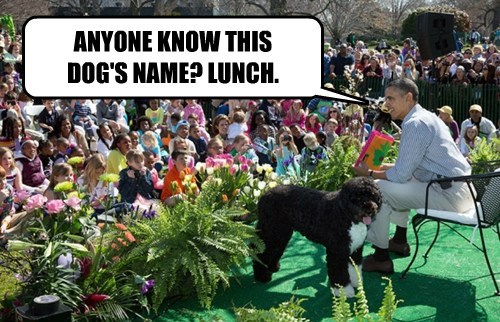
[397, 103]
[475, 115]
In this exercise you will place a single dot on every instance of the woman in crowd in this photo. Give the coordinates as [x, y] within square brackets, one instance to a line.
[220, 128]
[445, 114]
[66, 129]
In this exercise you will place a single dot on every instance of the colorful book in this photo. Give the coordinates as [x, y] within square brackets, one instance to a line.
[375, 149]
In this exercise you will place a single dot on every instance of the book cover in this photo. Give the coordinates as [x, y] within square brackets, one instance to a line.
[375, 149]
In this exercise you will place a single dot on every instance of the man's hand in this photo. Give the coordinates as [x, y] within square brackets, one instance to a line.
[362, 170]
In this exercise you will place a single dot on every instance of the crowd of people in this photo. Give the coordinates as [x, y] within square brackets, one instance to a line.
[478, 64]
[151, 144]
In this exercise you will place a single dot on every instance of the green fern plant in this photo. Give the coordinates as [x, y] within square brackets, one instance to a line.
[191, 248]
[483, 152]
[290, 311]
[330, 174]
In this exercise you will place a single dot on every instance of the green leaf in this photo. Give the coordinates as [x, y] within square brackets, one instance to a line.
[77, 247]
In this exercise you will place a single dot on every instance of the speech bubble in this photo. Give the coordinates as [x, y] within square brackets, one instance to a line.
[244, 57]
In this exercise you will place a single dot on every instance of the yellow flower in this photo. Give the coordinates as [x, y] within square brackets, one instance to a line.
[259, 169]
[64, 187]
[272, 184]
[75, 161]
[236, 192]
[224, 198]
[188, 177]
[109, 177]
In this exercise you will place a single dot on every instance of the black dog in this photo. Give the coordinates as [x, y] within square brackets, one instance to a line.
[336, 220]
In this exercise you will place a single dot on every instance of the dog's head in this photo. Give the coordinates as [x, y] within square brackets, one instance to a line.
[361, 199]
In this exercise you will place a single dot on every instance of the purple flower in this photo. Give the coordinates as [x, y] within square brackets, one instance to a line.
[149, 214]
[147, 285]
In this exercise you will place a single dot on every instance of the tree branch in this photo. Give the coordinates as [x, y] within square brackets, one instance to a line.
[258, 5]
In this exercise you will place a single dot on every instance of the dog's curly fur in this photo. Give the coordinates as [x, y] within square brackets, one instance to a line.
[327, 218]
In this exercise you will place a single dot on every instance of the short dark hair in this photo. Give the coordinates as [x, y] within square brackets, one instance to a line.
[405, 85]
[177, 153]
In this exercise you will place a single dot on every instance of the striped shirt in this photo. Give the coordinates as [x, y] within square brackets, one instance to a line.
[426, 150]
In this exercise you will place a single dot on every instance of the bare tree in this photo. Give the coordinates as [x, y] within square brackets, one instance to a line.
[78, 7]
[398, 10]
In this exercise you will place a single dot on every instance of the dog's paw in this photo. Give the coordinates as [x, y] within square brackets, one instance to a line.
[348, 290]
[353, 277]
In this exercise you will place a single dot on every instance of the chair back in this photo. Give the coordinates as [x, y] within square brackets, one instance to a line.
[487, 187]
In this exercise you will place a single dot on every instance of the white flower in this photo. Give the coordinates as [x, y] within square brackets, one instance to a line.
[286, 181]
[247, 190]
[65, 260]
[210, 171]
[272, 184]
[273, 175]
[268, 168]
[218, 181]
[256, 193]
[259, 169]
[200, 166]
[261, 185]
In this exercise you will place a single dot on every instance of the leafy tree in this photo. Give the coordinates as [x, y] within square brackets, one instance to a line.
[462, 20]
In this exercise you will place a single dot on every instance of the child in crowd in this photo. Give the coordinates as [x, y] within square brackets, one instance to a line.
[30, 166]
[215, 147]
[61, 172]
[90, 183]
[237, 127]
[106, 137]
[313, 124]
[150, 143]
[470, 140]
[183, 133]
[48, 116]
[155, 113]
[321, 137]
[199, 142]
[175, 107]
[312, 153]
[6, 203]
[295, 115]
[174, 121]
[82, 116]
[330, 131]
[135, 139]
[242, 147]
[13, 133]
[286, 152]
[173, 186]
[135, 180]
[46, 154]
[180, 144]
[298, 136]
[149, 162]
[193, 107]
[264, 146]
[12, 173]
[193, 120]
[62, 147]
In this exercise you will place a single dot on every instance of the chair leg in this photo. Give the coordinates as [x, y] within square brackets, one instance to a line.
[416, 221]
[485, 252]
[434, 240]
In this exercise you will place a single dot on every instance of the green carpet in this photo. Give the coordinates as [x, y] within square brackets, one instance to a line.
[454, 284]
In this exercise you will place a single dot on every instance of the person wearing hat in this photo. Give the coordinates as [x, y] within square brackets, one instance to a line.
[341, 62]
[426, 152]
[485, 126]
[183, 133]
[446, 114]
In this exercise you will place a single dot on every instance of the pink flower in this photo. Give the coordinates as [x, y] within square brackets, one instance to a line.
[233, 169]
[242, 159]
[74, 202]
[219, 163]
[244, 167]
[21, 196]
[209, 162]
[55, 206]
[35, 202]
